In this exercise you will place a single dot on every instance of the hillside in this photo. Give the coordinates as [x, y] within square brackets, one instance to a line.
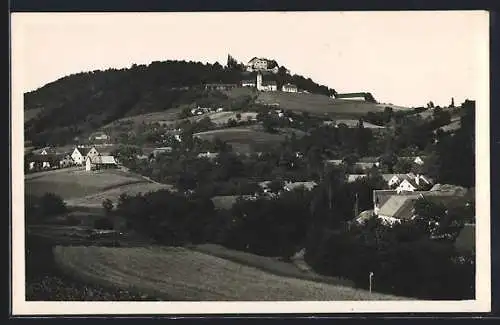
[78, 104]
[321, 105]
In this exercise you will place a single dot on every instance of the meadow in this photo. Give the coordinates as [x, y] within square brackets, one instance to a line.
[95, 200]
[76, 182]
[321, 104]
[182, 274]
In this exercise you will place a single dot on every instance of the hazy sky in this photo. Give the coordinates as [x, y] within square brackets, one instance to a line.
[405, 58]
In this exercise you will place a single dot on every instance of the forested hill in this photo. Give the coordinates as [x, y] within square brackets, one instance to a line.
[83, 102]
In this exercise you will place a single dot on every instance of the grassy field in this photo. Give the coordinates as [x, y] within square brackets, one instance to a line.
[188, 275]
[320, 104]
[76, 182]
[95, 200]
[268, 264]
[45, 281]
[168, 115]
[242, 138]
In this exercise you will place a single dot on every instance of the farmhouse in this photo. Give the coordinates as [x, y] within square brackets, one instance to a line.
[99, 136]
[416, 160]
[262, 64]
[100, 162]
[290, 186]
[366, 97]
[393, 180]
[47, 151]
[248, 83]
[289, 88]
[265, 85]
[391, 206]
[351, 178]
[208, 155]
[45, 161]
[80, 154]
[220, 86]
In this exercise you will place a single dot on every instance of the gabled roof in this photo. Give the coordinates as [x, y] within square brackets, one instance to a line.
[289, 85]
[294, 185]
[104, 160]
[268, 83]
[398, 206]
[353, 177]
[84, 150]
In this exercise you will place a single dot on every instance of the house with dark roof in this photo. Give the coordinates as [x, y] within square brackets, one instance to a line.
[220, 86]
[248, 83]
[367, 97]
[391, 206]
[100, 162]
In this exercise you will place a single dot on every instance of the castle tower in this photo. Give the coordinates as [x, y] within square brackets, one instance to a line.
[259, 81]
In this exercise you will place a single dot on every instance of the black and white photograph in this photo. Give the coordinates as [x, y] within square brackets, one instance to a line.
[250, 162]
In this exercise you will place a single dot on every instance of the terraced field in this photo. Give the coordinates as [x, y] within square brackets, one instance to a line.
[186, 275]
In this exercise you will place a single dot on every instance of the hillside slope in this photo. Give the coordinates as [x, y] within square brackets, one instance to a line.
[320, 104]
[78, 104]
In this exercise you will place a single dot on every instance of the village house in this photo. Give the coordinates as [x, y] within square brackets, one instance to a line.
[47, 151]
[351, 178]
[416, 160]
[262, 64]
[308, 186]
[248, 83]
[393, 207]
[100, 162]
[220, 86]
[208, 155]
[265, 85]
[99, 136]
[80, 154]
[289, 88]
[407, 182]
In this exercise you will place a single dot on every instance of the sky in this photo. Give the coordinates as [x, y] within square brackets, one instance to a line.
[403, 58]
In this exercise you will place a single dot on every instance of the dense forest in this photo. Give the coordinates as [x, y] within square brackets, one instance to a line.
[80, 103]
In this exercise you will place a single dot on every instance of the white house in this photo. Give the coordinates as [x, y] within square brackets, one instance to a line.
[269, 85]
[261, 64]
[248, 83]
[289, 88]
[394, 180]
[100, 162]
[47, 151]
[407, 185]
[79, 155]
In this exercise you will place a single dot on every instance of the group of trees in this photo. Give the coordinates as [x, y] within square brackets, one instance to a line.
[39, 208]
[405, 260]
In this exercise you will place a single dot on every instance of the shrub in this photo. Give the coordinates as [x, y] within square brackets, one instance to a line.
[51, 205]
[103, 223]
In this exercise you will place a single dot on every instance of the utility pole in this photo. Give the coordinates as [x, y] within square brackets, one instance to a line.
[356, 206]
[371, 281]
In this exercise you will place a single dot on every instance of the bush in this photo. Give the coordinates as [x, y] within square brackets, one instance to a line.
[103, 223]
[51, 205]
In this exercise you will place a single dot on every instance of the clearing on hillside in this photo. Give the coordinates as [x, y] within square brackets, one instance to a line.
[77, 182]
[242, 139]
[188, 275]
[321, 104]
